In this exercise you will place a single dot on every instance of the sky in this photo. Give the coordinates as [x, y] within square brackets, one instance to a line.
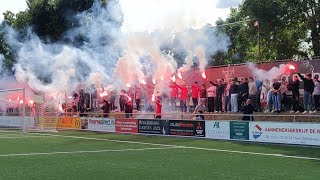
[148, 15]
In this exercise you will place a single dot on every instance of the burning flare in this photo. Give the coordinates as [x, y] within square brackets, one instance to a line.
[291, 67]
[21, 101]
[103, 94]
[142, 81]
[161, 78]
[153, 97]
[154, 81]
[204, 75]
[173, 78]
[179, 75]
[31, 102]
[128, 85]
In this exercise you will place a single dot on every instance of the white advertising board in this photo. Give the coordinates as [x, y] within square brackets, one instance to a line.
[289, 133]
[101, 124]
[16, 121]
[217, 129]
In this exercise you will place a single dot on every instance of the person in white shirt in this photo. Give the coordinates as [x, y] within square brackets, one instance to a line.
[211, 93]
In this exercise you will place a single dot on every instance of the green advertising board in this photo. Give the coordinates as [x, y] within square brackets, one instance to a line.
[239, 130]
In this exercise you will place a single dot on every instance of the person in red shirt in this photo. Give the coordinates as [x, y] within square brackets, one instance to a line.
[183, 97]
[195, 94]
[158, 109]
[173, 95]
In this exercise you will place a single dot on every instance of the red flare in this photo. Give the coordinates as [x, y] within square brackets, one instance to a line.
[21, 101]
[291, 67]
[173, 78]
[161, 78]
[103, 94]
[179, 75]
[128, 85]
[204, 75]
[60, 108]
[153, 97]
[154, 81]
[31, 102]
[142, 81]
[130, 99]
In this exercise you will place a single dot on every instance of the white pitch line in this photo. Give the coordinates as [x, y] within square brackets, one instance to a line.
[20, 137]
[80, 152]
[188, 147]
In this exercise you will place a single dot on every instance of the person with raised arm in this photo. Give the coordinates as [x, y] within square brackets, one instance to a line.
[308, 87]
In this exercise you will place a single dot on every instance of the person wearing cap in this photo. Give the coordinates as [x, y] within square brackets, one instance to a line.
[316, 93]
[308, 86]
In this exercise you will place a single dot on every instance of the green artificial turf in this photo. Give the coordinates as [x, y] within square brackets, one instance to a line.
[186, 159]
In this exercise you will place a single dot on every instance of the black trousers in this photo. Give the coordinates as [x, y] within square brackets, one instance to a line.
[210, 104]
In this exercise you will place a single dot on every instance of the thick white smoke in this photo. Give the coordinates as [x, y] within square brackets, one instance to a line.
[108, 57]
[274, 73]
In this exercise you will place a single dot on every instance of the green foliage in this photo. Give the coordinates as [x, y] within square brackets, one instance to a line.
[285, 27]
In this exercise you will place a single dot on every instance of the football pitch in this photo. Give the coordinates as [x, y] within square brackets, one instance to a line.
[88, 155]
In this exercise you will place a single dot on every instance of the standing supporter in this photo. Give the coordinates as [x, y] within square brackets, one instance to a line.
[173, 95]
[264, 96]
[259, 88]
[211, 92]
[227, 105]
[113, 96]
[234, 90]
[276, 96]
[149, 92]
[252, 89]
[129, 109]
[243, 92]
[106, 108]
[158, 109]
[203, 93]
[183, 97]
[137, 95]
[316, 93]
[189, 97]
[195, 94]
[220, 92]
[283, 92]
[122, 100]
[294, 87]
[308, 87]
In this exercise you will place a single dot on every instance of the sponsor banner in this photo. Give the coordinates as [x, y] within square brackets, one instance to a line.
[127, 125]
[16, 121]
[69, 122]
[101, 124]
[218, 129]
[152, 126]
[47, 122]
[239, 130]
[187, 128]
[289, 133]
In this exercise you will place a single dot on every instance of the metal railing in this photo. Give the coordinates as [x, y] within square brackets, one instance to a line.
[213, 116]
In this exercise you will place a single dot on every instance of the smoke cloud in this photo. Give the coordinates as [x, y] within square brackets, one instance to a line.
[273, 73]
[108, 57]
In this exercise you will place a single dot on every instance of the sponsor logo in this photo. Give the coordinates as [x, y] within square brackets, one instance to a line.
[258, 131]
[216, 125]
[182, 124]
